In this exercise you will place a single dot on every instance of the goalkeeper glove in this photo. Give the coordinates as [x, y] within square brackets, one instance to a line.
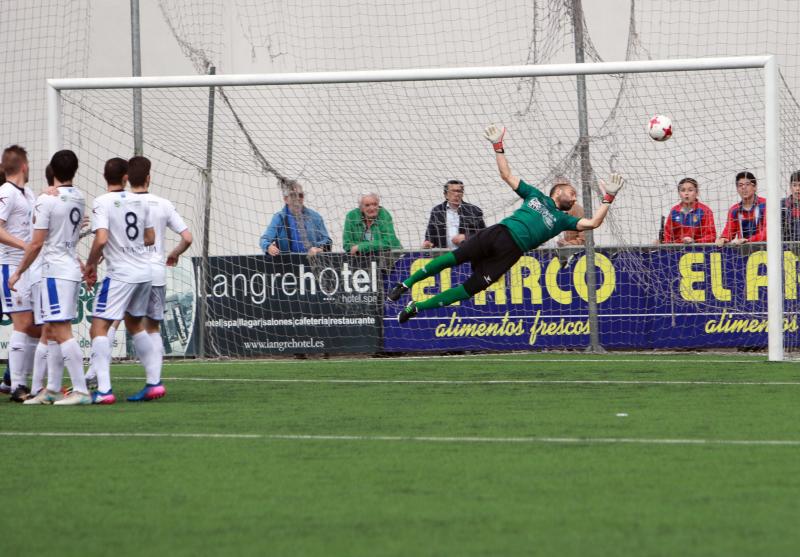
[611, 189]
[495, 133]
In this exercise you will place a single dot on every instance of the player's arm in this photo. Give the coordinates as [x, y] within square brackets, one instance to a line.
[31, 253]
[95, 255]
[149, 236]
[495, 134]
[609, 191]
[183, 245]
[9, 239]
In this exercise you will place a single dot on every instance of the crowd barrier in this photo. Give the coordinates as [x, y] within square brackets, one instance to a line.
[666, 297]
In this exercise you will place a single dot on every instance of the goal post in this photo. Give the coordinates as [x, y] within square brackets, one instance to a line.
[771, 111]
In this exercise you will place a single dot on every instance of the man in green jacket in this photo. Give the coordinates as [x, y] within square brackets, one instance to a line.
[369, 228]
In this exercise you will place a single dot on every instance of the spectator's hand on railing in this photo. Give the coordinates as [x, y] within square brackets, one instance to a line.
[427, 244]
[273, 249]
[314, 251]
[721, 241]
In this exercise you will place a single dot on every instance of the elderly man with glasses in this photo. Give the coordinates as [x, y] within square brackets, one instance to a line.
[454, 220]
[295, 228]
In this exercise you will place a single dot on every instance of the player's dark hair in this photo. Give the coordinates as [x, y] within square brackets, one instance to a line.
[13, 159]
[449, 183]
[115, 170]
[795, 177]
[559, 186]
[49, 176]
[688, 180]
[2, 174]
[64, 165]
[138, 170]
[745, 174]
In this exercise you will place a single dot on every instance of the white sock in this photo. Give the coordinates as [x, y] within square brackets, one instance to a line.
[16, 358]
[147, 355]
[101, 353]
[30, 351]
[55, 367]
[39, 368]
[73, 359]
[158, 350]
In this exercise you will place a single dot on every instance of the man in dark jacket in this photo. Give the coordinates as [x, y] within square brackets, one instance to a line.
[453, 221]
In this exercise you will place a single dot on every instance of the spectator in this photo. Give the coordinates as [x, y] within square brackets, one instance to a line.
[790, 210]
[747, 220]
[689, 221]
[295, 228]
[369, 227]
[452, 221]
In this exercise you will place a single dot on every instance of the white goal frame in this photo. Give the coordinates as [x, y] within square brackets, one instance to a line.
[771, 124]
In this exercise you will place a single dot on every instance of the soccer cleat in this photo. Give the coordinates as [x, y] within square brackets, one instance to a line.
[150, 392]
[20, 394]
[397, 291]
[408, 312]
[75, 398]
[5, 386]
[44, 396]
[103, 398]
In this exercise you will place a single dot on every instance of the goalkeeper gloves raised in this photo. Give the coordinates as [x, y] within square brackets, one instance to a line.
[611, 189]
[495, 133]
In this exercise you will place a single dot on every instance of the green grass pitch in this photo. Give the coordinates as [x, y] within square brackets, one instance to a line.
[476, 455]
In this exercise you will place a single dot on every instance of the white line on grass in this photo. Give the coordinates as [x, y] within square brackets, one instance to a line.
[419, 439]
[372, 361]
[470, 381]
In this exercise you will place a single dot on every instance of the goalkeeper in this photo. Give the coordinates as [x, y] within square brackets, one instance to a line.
[494, 250]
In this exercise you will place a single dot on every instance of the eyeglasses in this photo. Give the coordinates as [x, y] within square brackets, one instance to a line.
[297, 195]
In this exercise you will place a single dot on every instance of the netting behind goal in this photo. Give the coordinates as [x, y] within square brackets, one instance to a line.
[403, 141]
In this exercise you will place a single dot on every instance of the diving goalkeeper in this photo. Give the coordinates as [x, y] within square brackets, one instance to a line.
[494, 250]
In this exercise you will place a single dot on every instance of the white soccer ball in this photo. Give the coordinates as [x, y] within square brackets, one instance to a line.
[659, 127]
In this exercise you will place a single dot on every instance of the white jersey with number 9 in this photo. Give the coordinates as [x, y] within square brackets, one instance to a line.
[125, 215]
[61, 216]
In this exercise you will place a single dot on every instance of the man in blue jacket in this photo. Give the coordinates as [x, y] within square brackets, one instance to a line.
[453, 221]
[295, 228]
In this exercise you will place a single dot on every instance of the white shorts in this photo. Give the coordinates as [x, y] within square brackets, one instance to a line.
[20, 300]
[155, 305]
[114, 298]
[36, 303]
[59, 298]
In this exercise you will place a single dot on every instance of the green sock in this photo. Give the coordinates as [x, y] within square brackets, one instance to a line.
[432, 268]
[455, 294]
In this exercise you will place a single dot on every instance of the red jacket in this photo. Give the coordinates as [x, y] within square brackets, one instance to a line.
[749, 224]
[697, 224]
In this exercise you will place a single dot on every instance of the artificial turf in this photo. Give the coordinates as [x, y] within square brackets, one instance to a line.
[477, 455]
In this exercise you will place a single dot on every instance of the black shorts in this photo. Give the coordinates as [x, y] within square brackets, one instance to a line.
[492, 252]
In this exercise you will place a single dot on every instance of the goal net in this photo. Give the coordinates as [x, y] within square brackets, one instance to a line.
[234, 170]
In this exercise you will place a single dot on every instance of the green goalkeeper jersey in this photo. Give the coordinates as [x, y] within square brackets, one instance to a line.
[537, 220]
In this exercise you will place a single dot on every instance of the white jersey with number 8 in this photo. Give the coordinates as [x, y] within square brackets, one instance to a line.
[125, 215]
[61, 216]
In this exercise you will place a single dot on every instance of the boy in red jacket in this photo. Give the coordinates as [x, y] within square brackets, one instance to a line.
[689, 221]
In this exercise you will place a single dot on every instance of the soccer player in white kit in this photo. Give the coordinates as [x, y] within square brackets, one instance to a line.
[57, 222]
[46, 344]
[16, 208]
[122, 234]
[163, 215]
